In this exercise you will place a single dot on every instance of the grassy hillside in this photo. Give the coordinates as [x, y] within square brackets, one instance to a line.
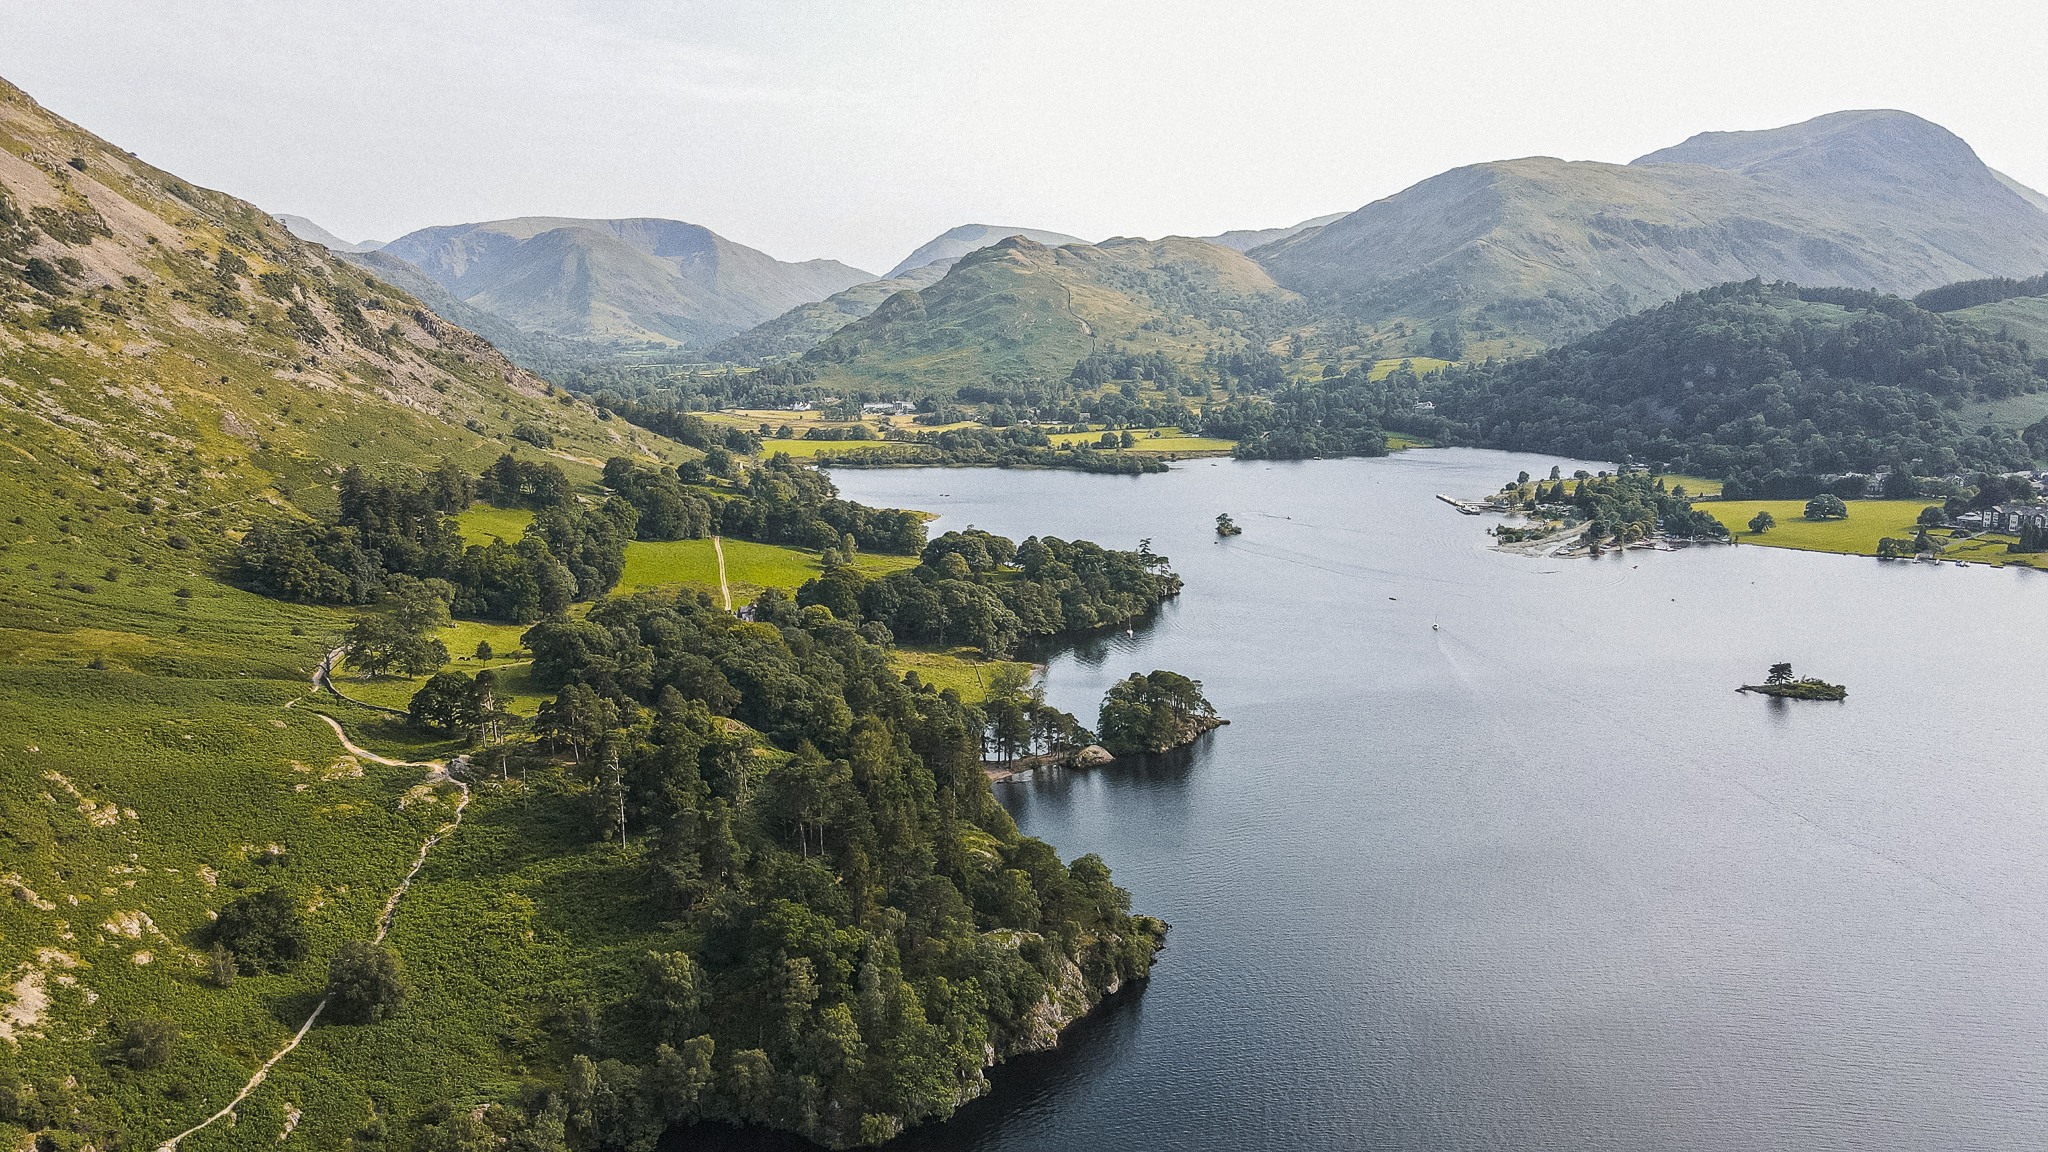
[2025, 317]
[1020, 310]
[174, 366]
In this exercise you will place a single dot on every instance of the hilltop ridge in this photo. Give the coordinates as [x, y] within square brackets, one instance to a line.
[1543, 248]
[1019, 308]
[954, 243]
[628, 280]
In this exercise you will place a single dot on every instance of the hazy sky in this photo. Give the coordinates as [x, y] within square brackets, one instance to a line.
[859, 130]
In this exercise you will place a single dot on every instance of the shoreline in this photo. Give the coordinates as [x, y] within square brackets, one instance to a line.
[1095, 755]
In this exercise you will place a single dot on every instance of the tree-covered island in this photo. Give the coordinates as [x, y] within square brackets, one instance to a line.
[1780, 682]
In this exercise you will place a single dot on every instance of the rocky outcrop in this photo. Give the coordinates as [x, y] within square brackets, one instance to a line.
[1071, 995]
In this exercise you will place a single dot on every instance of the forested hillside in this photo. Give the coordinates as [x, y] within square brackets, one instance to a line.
[1768, 386]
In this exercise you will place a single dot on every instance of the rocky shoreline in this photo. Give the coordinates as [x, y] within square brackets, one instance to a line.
[1095, 755]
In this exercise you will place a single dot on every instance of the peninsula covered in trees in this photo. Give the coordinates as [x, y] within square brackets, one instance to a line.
[841, 926]
[1768, 386]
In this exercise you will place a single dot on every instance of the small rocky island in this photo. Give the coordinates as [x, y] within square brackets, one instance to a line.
[1780, 682]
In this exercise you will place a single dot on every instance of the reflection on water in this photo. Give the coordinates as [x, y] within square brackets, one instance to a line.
[1493, 856]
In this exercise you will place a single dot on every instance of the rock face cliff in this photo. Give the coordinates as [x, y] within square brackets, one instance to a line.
[1548, 249]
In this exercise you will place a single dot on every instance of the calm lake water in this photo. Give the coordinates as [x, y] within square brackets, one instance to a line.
[1536, 877]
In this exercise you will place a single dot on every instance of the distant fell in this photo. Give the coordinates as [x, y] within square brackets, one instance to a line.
[1246, 239]
[631, 280]
[800, 328]
[1541, 249]
[957, 242]
[305, 229]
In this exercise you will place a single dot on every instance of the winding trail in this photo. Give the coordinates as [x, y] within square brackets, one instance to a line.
[718, 546]
[437, 773]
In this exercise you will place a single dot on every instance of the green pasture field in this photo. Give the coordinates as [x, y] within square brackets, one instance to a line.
[961, 669]
[514, 671]
[804, 448]
[482, 522]
[1701, 486]
[1423, 365]
[1868, 521]
[749, 567]
[1168, 440]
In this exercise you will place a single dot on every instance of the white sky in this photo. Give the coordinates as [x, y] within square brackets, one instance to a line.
[859, 130]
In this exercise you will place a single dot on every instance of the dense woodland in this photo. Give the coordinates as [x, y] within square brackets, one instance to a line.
[1754, 383]
[1969, 293]
[872, 929]
[1617, 509]
[977, 588]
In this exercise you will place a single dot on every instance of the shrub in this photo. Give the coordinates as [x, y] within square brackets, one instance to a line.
[65, 318]
[40, 274]
[221, 969]
[265, 930]
[147, 1042]
[365, 983]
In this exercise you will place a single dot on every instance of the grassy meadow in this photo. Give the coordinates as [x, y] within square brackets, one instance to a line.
[483, 523]
[749, 567]
[961, 669]
[1168, 440]
[1867, 523]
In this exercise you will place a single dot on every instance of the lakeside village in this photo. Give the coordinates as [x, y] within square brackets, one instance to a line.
[1989, 519]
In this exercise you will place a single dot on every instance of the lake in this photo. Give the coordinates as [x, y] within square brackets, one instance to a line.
[1492, 856]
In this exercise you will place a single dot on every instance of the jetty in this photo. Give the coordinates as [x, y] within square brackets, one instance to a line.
[1468, 507]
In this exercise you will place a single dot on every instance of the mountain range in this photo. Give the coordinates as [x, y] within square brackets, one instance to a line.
[617, 281]
[954, 243]
[1547, 248]
[307, 230]
[1499, 258]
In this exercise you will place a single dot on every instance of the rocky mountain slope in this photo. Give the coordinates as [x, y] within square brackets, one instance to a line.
[617, 280]
[162, 338]
[1544, 248]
